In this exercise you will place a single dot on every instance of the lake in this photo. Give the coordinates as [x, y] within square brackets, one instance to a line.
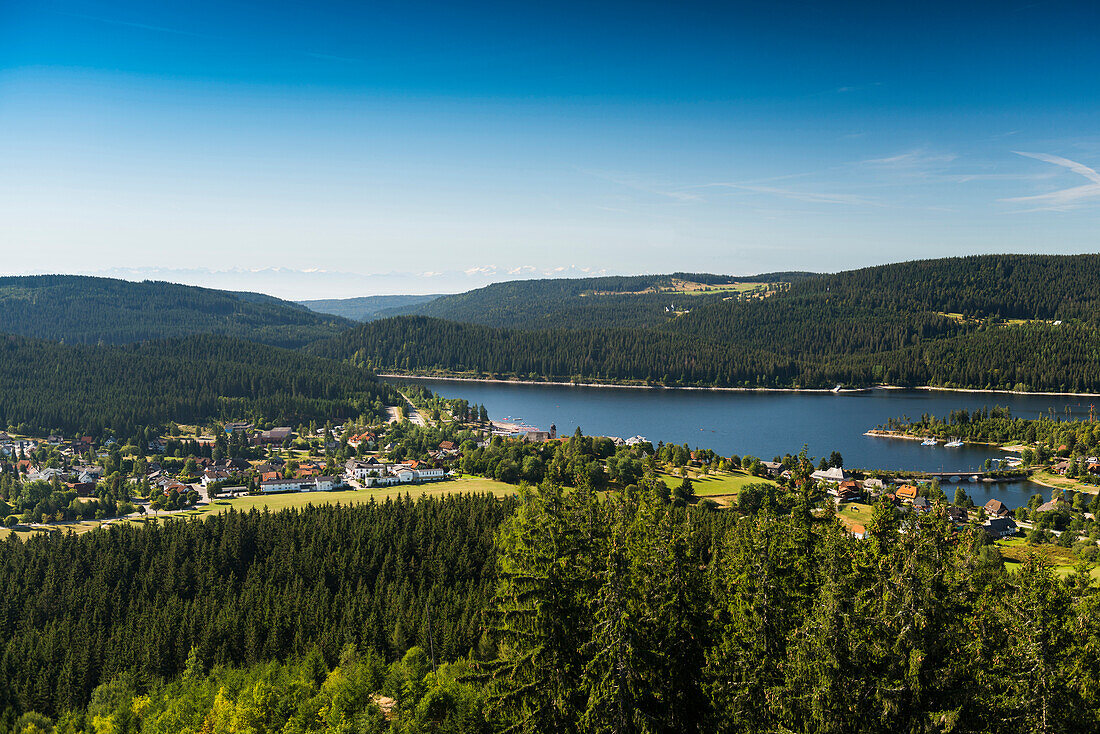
[766, 424]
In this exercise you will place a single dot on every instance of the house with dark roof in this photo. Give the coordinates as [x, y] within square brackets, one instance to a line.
[958, 515]
[999, 527]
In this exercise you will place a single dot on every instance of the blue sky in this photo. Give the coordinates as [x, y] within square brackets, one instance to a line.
[346, 148]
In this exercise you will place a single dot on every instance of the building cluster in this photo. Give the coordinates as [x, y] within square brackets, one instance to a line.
[998, 522]
[372, 472]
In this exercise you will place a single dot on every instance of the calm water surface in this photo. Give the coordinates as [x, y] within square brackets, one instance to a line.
[767, 424]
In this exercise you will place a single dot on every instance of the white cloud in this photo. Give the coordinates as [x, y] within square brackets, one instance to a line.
[814, 197]
[1063, 199]
[912, 159]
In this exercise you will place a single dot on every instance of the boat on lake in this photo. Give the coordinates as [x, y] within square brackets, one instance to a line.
[954, 443]
[929, 442]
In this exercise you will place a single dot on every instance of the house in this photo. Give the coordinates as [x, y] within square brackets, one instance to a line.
[845, 491]
[921, 504]
[996, 508]
[1049, 506]
[447, 445]
[213, 475]
[367, 438]
[1061, 467]
[82, 489]
[360, 469]
[833, 474]
[858, 531]
[958, 515]
[772, 467]
[273, 437]
[535, 436]
[907, 492]
[999, 527]
[237, 426]
[873, 485]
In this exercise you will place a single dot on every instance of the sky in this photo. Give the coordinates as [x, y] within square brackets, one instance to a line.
[331, 149]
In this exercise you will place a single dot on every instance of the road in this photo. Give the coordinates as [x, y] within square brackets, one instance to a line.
[413, 414]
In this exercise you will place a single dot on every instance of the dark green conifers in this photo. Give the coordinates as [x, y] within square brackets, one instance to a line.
[79, 309]
[630, 615]
[240, 589]
[45, 386]
[569, 612]
[892, 324]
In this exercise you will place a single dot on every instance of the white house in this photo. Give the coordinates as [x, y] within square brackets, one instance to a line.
[833, 474]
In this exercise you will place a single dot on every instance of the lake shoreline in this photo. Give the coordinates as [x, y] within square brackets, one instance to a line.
[884, 433]
[699, 388]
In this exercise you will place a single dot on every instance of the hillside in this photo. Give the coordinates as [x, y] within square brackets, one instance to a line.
[577, 303]
[364, 308]
[46, 386]
[89, 310]
[854, 328]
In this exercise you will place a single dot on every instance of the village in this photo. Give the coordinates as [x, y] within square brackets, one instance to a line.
[191, 469]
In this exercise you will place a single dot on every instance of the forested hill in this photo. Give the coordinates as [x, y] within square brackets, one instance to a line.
[89, 310]
[969, 289]
[1012, 322]
[46, 386]
[803, 350]
[979, 286]
[364, 308]
[634, 301]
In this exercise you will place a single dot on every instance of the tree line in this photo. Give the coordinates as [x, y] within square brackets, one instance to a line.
[808, 351]
[46, 387]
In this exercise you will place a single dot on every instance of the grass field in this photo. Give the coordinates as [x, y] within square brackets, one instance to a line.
[354, 497]
[854, 513]
[724, 288]
[717, 483]
[275, 502]
[1015, 551]
[1051, 479]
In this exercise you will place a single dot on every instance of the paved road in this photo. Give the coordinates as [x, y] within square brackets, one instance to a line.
[414, 415]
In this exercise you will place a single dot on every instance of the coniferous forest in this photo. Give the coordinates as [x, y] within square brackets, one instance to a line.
[81, 309]
[45, 386]
[566, 612]
[1010, 322]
